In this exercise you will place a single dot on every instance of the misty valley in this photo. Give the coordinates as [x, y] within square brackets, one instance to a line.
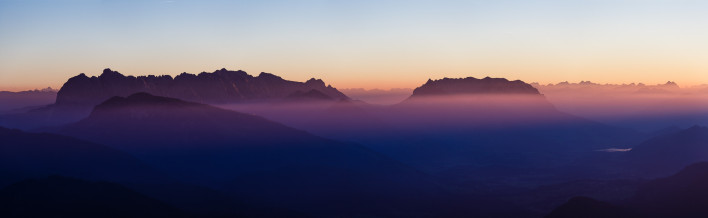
[230, 144]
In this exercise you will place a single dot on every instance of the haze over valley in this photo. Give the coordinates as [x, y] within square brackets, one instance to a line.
[508, 109]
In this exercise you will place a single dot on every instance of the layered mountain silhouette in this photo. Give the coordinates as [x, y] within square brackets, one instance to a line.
[681, 195]
[312, 95]
[668, 153]
[469, 131]
[81, 93]
[471, 101]
[58, 196]
[487, 129]
[450, 149]
[471, 85]
[584, 207]
[639, 106]
[257, 159]
[24, 155]
[19, 101]
[546, 198]
[220, 87]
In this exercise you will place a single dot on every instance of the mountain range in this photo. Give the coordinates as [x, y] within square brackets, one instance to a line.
[230, 144]
[81, 93]
[680, 195]
[14, 102]
[221, 86]
[250, 157]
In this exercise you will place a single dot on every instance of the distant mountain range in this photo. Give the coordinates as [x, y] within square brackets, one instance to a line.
[632, 88]
[379, 96]
[220, 87]
[639, 106]
[431, 154]
[16, 102]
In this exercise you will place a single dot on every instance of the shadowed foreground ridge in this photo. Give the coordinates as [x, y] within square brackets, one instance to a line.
[666, 154]
[58, 196]
[684, 194]
[25, 154]
[584, 207]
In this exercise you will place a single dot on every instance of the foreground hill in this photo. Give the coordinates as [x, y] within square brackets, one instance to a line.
[24, 155]
[58, 196]
[263, 161]
[681, 195]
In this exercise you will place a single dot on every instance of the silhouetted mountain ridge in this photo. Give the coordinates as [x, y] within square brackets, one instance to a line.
[221, 86]
[471, 85]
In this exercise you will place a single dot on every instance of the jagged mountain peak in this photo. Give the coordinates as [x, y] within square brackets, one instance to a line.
[110, 73]
[315, 82]
[220, 87]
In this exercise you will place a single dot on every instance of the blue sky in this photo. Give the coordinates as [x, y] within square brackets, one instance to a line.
[366, 44]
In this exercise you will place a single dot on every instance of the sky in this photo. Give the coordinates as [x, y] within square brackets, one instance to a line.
[357, 44]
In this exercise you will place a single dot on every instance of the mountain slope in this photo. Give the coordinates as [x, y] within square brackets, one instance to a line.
[25, 155]
[491, 130]
[16, 101]
[668, 153]
[681, 195]
[57, 196]
[583, 207]
[263, 161]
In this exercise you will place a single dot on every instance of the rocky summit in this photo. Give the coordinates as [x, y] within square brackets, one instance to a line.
[471, 85]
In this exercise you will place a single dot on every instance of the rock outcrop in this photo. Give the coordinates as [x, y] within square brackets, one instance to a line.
[471, 85]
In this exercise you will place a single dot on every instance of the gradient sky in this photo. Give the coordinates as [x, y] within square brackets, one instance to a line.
[369, 44]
